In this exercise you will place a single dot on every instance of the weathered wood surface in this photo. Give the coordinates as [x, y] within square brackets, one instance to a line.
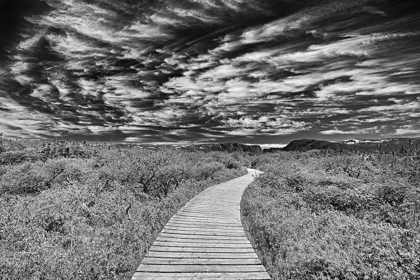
[205, 239]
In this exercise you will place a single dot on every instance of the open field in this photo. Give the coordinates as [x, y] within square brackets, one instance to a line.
[317, 215]
[73, 211]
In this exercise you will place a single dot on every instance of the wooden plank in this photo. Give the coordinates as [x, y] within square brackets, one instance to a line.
[204, 228]
[199, 223]
[203, 245]
[203, 241]
[200, 249]
[193, 220]
[203, 213]
[213, 210]
[200, 268]
[203, 232]
[203, 216]
[215, 225]
[210, 207]
[195, 210]
[190, 223]
[219, 213]
[217, 210]
[164, 261]
[189, 236]
[206, 218]
[233, 275]
[187, 255]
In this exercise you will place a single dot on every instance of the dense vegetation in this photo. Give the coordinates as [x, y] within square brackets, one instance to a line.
[79, 211]
[330, 215]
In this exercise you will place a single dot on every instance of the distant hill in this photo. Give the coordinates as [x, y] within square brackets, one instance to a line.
[273, 150]
[311, 144]
[402, 145]
[236, 147]
[228, 147]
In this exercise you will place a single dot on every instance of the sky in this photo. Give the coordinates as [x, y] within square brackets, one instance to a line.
[197, 71]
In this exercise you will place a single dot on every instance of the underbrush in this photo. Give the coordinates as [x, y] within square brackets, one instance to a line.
[335, 216]
[94, 216]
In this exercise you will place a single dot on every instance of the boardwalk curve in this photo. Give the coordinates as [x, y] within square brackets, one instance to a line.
[205, 239]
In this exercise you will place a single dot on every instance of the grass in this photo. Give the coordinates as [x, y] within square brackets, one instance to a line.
[339, 216]
[92, 212]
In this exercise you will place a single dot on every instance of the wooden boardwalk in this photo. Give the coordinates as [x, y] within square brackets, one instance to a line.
[205, 239]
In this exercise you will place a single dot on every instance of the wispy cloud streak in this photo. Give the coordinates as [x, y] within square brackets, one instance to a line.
[210, 69]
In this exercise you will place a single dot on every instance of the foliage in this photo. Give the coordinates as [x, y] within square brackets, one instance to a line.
[92, 212]
[336, 216]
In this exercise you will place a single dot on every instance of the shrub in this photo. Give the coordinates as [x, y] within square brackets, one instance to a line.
[95, 217]
[334, 217]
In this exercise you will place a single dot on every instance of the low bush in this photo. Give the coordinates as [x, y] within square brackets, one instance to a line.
[95, 217]
[335, 216]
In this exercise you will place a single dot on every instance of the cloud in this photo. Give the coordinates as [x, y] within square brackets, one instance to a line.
[354, 131]
[155, 71]
[407, 130]
[270, 146]
[393, 108]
